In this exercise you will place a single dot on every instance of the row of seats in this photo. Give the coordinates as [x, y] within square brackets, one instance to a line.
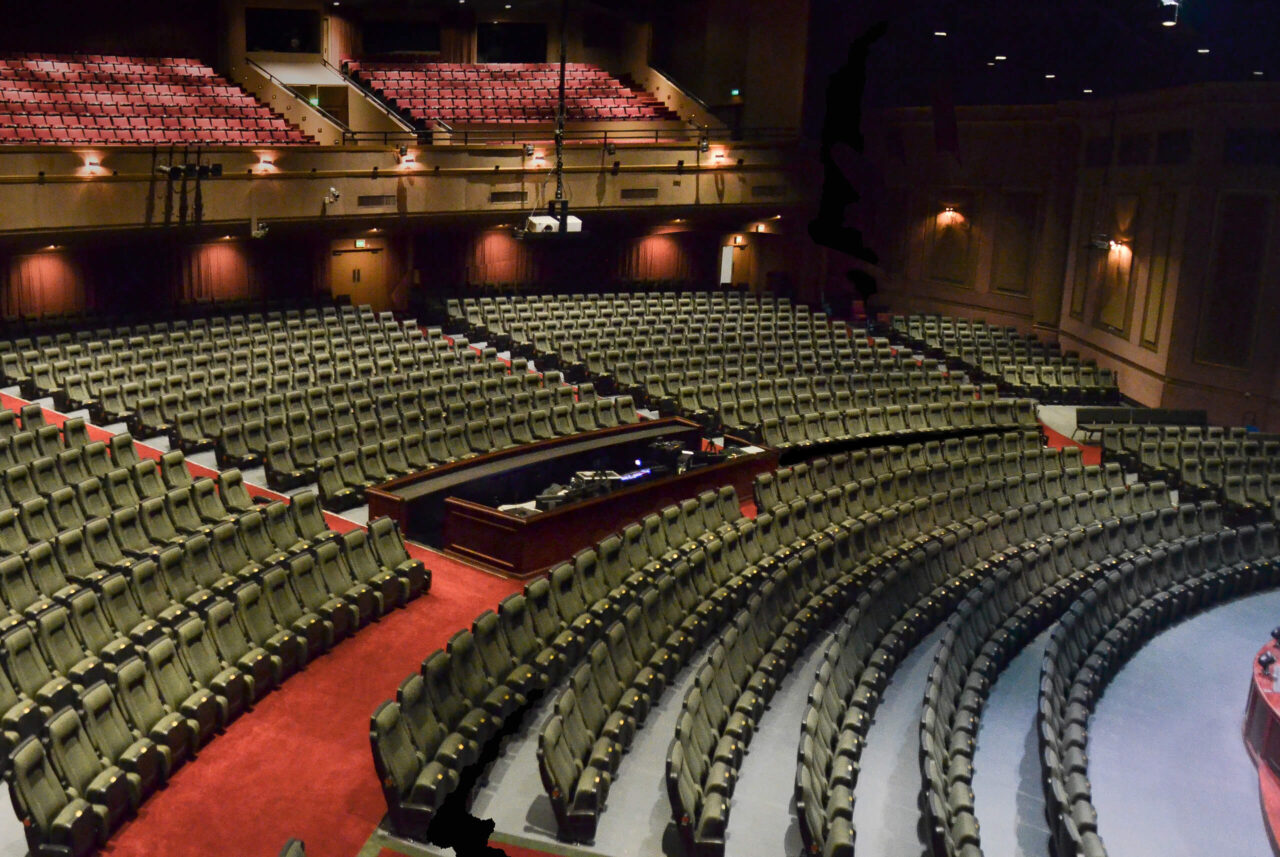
[738, 384]
[800, 431]
[852, 516]
[704, 404]
[908, 593]
[194, 425]
[1021, 364]
[42, 367]
[1102, 629]
[994, 622]
[446, 718]
[483, 93]
[344, 473]
[67, 101]
[290, 450]
[230, 317]
[1238, 469]
[143, 598]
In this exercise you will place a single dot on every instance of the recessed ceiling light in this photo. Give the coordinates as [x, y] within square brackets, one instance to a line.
[1257, 74]
[1000, 58]
[1202, 50]
[1050, 76]
[1088, 92]
[940, 33]
[1170, 23]
[990, 63]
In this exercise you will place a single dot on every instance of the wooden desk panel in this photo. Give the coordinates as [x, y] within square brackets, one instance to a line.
[524, 547]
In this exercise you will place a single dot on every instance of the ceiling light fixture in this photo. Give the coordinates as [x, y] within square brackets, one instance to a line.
[1169, 12]
[1202, 50]
[1050, 76]
[1000, 58]
[940, 34]
[1088, 92]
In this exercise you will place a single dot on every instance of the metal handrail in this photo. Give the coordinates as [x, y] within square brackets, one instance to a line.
[289, 89]
[683, 89]
[406, 136]
[516, 136]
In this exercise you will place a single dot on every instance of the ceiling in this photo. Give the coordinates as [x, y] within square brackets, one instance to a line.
[1053, 50]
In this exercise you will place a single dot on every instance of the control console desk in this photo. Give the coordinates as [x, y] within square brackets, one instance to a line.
[454, 507]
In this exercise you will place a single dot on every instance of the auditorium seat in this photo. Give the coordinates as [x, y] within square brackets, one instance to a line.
[414, 791]
[64, 100]
[504, 93]
[49, 813]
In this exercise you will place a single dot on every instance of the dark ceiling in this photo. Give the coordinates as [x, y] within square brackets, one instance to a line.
[1108, 46]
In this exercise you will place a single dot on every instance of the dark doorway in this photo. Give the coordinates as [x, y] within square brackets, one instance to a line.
[284, 30]
[511, 42]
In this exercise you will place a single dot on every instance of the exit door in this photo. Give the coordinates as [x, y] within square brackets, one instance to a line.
[360, 274]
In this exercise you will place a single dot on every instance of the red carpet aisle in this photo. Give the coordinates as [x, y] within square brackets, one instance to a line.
[1088, 454]
[299, 764]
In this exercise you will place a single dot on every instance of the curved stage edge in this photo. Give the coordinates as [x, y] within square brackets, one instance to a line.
[1262, 738]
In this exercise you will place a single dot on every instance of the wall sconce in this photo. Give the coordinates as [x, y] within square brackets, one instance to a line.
[92, 165]
[759, 227]
[738, 241]
[949, 215]
[718, 155]
[539, 158]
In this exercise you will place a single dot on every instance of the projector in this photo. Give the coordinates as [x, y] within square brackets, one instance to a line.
[540, 223]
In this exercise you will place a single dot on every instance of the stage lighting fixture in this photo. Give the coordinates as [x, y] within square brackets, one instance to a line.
[680, 166]
[1265, 660]
[704, 145]
[1169, 12]
[332, 196]
[610, 149]
[617, 167]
